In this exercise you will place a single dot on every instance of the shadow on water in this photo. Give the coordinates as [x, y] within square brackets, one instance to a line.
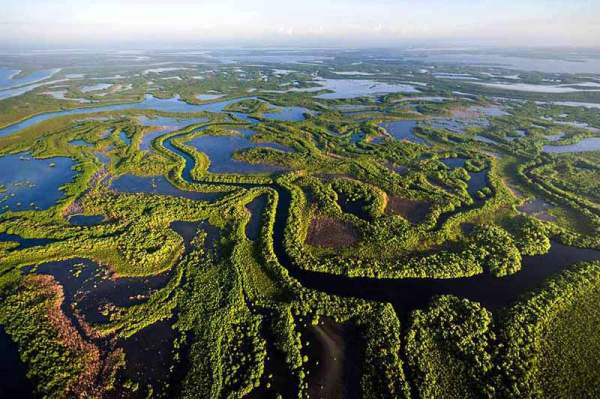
[13, 379]
[86, 220]
[334, 362]
[492, 292]
[149, 353]
[24, 242]
[256, 209]
[90, 288]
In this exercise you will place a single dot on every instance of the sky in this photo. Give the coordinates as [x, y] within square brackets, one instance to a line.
[344, 23]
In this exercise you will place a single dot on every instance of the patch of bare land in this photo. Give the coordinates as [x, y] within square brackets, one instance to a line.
[411, 210]
[328, 232]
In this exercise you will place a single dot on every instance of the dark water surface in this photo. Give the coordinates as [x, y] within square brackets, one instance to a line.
[13, 379]
[86, 220]
[256, 208]
[24, 242]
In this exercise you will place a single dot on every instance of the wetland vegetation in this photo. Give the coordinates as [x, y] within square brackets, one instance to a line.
[266, 226]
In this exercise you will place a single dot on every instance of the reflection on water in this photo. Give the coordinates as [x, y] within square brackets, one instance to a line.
[403, 130]
[351, 88]
[174, 105]
[86, 220]
[220, 150]
[288, 114]
[165, 125]
[24, 242]
[31, 183]
[157, 185]
[588, 144]
[454, 162]
[492, 292]
[256, 208]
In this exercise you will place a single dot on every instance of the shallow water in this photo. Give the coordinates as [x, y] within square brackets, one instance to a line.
[585, 145]
[577, 104]
[157, 185]
[403, 130]
[335, 356]
[174, 105]
[517, 135]
[189, 230]
[357, 137]
[454, 162]
[477, 182]
[95, 87]
[166, 124]
[288, 114]
[149, 353]
[8, 79]
[62, 95]
[538, 208]
[80, 143]
[220, 150]
[91, 285]
[532, 88]
[555, 137]
[457, 125]
[149, 102]
[33, 183]
[582, 65]
[351, 88]
[125, 138]
[207, 97]
[484, 139]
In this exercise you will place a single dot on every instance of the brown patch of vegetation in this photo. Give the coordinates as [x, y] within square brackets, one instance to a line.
[94, 366]
[328, 232]
[411, 210]
[464, 113]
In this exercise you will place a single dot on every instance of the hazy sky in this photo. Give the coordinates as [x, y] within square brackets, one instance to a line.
[42, 23]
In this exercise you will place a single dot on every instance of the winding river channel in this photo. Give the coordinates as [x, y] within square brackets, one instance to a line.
[405, 294]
